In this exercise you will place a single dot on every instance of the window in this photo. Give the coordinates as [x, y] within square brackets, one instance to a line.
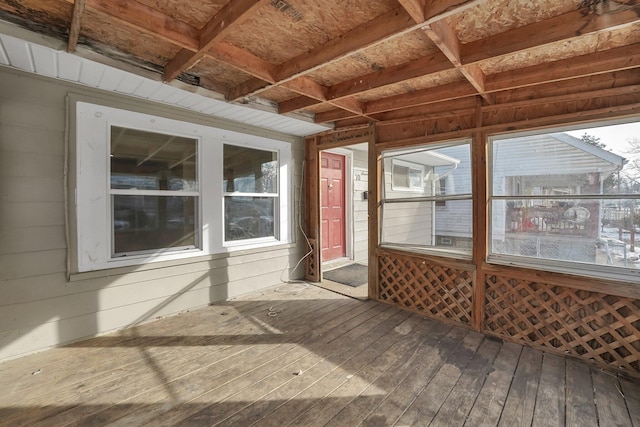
[152, 189]
[406, 176]
[567, 201]
[423, 216]
[250, 193]
[154, 192]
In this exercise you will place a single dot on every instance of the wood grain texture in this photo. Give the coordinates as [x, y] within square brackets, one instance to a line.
[301, 355]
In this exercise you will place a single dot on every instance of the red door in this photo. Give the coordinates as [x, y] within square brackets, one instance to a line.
[332, 206]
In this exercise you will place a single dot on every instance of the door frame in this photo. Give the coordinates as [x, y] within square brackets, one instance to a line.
[311, 171]
[348, 198]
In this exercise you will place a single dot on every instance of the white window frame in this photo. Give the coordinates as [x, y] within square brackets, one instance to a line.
[93, 225]
[277, 214]
[164, 193]
[410, 166]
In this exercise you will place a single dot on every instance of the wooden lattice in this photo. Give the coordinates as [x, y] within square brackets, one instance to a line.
[600, 327]
[435, 290]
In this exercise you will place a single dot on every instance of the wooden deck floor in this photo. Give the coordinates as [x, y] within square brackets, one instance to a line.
[307, 358]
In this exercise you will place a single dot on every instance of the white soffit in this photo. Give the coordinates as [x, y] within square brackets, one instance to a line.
[47, 61]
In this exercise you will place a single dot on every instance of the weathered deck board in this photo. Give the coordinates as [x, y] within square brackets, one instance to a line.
[307, 358]
[581, 408]
[610, 402]
[488, 406]
[550, 401]
[521, 401]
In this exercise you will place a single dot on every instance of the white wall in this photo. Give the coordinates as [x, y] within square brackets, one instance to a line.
[40, 306]
[360, 207]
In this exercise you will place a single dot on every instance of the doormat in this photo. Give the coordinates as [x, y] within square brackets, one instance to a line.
[353, 275]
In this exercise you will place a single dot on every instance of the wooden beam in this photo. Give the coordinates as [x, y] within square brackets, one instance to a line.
[182, 61]
[230, 16]
[307, 87]
[242, 60]
[558, 28]
[149, 20]
[446, 39]
[415, 8]
[450, 108]
[413, 69]
[349, 104]
[420, 97]
[251, 86]
[430, 64]
[393, 23]
[570, 97]
[295, 104]
[616, 59]
[374, 207]
[76, 23]
[329, 116]
[381, 28]
[579, 85]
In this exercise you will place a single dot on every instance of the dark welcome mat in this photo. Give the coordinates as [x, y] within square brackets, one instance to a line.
[353, 275]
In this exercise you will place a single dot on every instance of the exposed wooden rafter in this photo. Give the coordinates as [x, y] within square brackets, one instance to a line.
[76, 22]
[388, 88]
[595, 63]
[233, 14]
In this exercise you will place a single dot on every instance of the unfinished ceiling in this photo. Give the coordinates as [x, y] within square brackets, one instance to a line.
[357, 61]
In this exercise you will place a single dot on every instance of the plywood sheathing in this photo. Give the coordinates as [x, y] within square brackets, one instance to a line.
[398, 50]
[563, 50]
[497, 16]
[569, 88]
[99, 28]
[283, 29]
[197, 15]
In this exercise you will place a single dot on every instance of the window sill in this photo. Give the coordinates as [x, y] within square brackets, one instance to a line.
[603, 272]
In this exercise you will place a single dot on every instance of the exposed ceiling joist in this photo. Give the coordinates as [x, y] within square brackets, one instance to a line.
[76, 22]
[233, 14]
[380, 60]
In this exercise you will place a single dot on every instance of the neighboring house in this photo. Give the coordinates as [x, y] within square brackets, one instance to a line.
[412, 180]
[558, 165]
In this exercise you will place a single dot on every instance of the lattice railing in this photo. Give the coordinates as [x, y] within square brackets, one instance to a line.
[590, 325]
[435, 290]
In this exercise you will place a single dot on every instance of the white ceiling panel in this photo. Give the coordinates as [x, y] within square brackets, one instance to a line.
[45, 61]
[69, 67]
[4, 59]
[18, 53]
[91, 73]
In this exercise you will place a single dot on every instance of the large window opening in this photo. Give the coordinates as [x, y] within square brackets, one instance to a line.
[560, 199]
[426, 201]
[154, 192]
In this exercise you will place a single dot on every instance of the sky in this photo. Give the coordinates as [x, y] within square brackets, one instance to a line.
[614, 137]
